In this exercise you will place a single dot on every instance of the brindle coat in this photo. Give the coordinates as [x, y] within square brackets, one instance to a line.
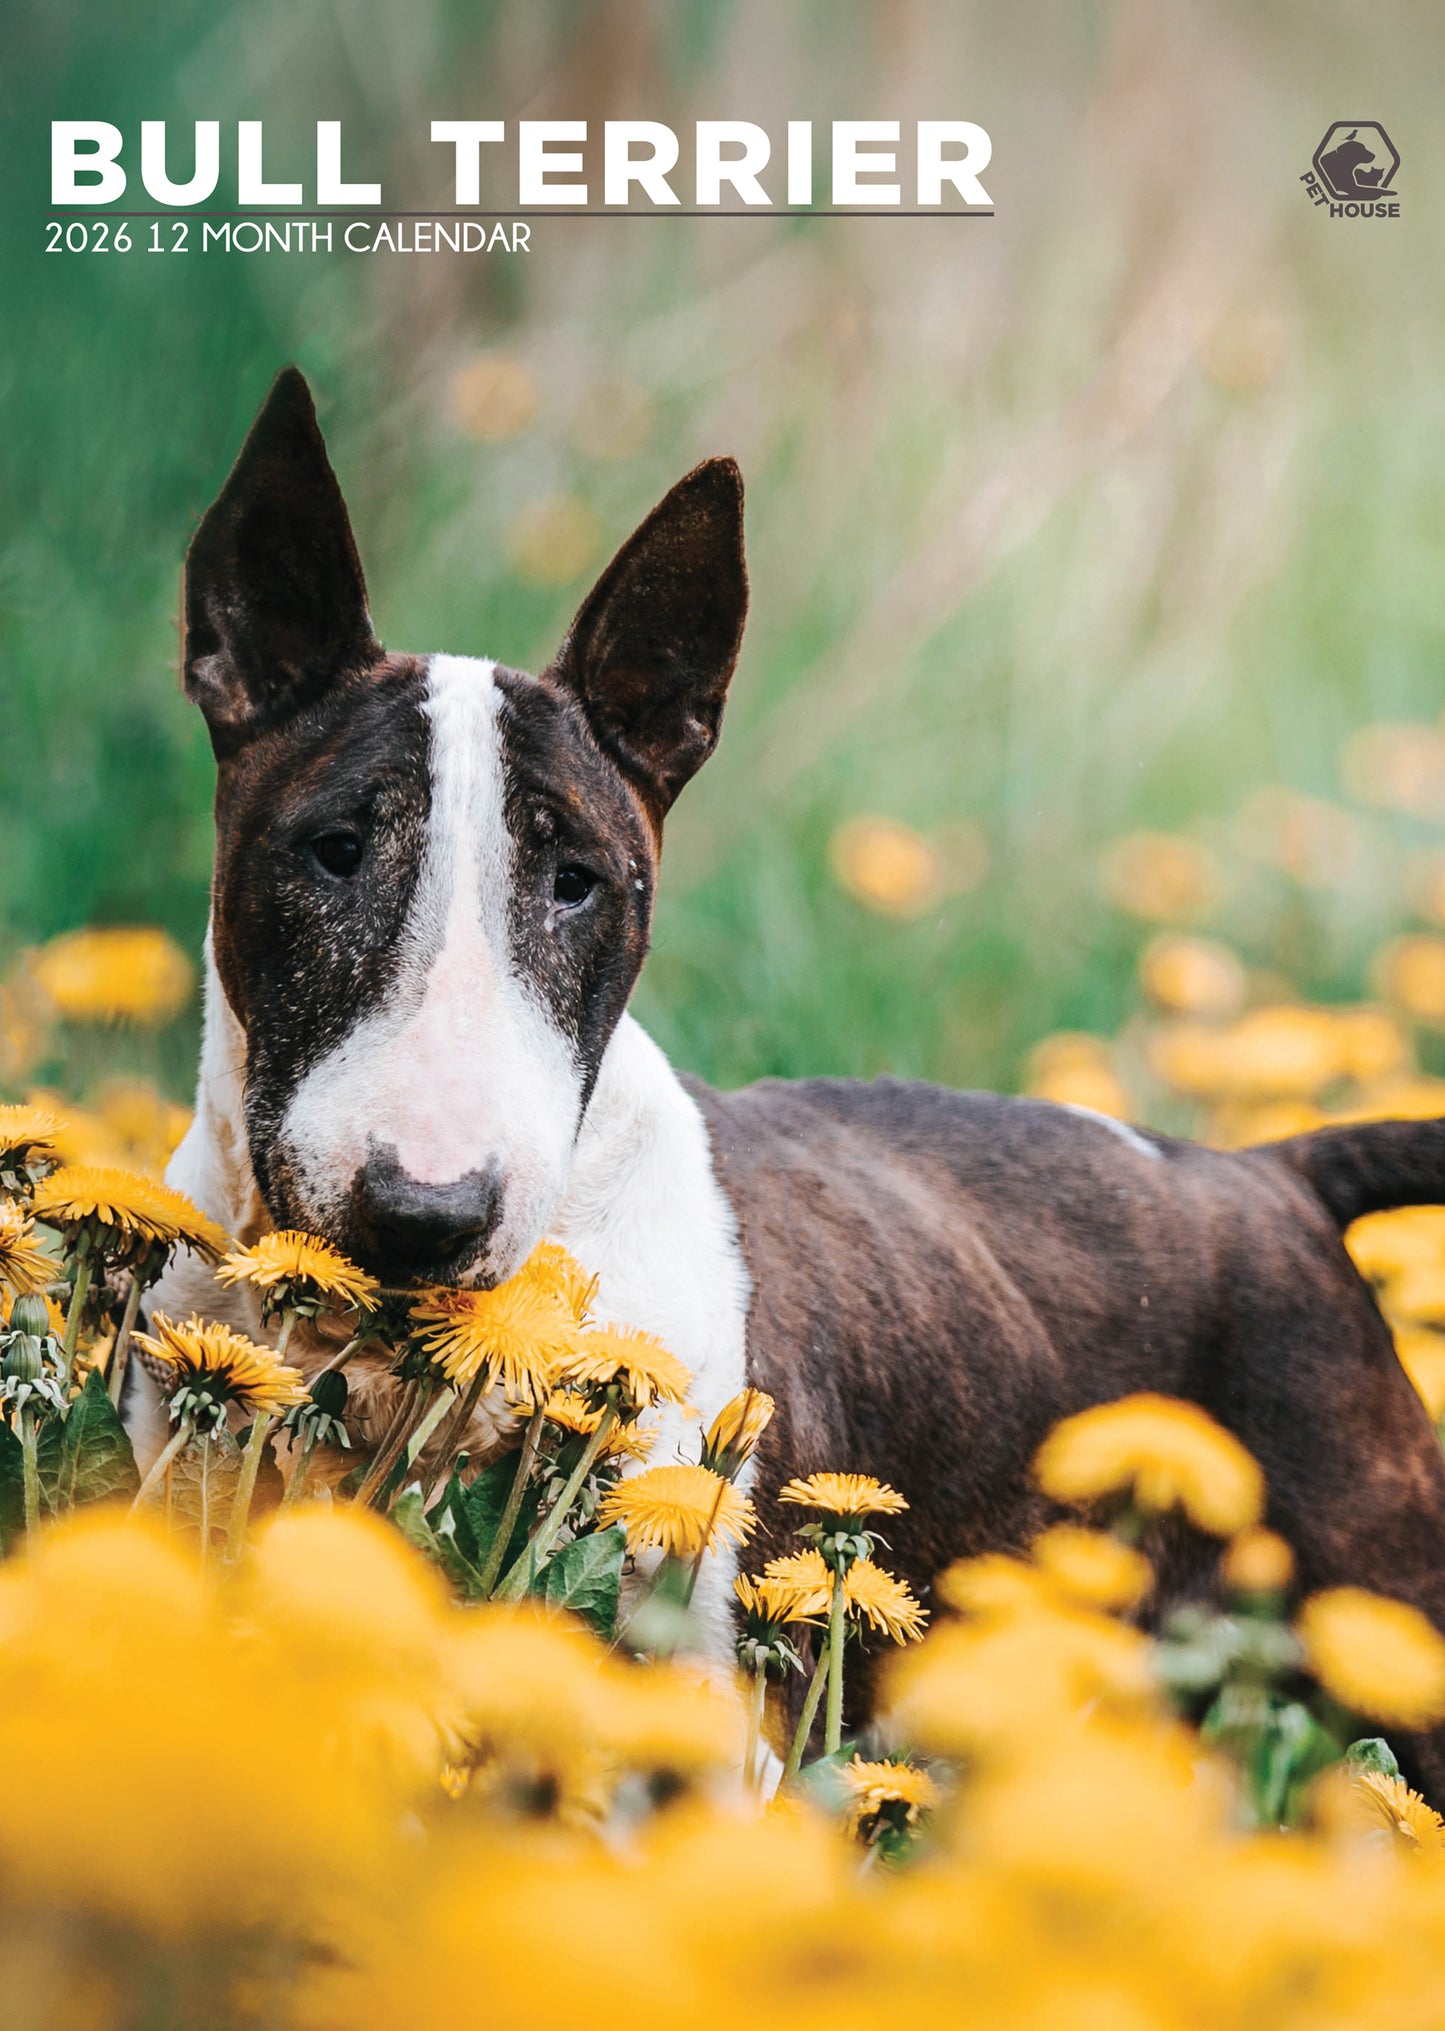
[932, 1278]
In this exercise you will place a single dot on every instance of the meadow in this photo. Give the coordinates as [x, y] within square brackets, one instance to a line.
[1087, 742]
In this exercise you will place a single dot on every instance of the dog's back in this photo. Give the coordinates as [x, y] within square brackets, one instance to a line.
[938, 1277]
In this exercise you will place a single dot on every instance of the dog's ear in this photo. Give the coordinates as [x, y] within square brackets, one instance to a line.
[653, 647]
[275, 603]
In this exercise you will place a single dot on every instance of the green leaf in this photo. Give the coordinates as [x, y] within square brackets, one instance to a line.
[487, 1498]
[1293, 1749]
[96, 1463]
[453, 1539]
[48, 1449]
[450, 1517]
[12, 1490]
[585, 1577]
[409, 1516]
[219, 1461]
[1371, 1755]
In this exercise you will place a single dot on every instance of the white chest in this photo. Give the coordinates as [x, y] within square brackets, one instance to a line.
[644, 1213]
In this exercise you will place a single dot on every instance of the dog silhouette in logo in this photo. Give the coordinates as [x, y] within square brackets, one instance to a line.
[1345, 168]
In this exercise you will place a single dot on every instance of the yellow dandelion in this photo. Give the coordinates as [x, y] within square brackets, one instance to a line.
[886, 866]
[1278, 1053]
[1388, 1245]
[24, 1264]
[1258, 1561]
[735, 1433]
[896, 1793]
[1236, 1124]
[802, 1587]
[678, 1510]
[801, 1584]
[634, 1364]
[570, 1409]
[148, 1127]
[126, 975]
[125, 1214]
[1074, 1069]
[82, 1137]
[882, 1600]
[494, 396]
[668, 1717]
[766, 1602]
[554, 1269]
[995, 1586]
[1374, 1043]
[1160, 876]
[1410, 972]
[455, 1780]
[517, 1335]
[28, 1135]
[1376, 1656]
[843, 1495]
[301, 1272]
[1192, 976]
[1422, 1356]
[1389, 1801]
[1091, 1568]
[1167, 1453]
[214, 1366]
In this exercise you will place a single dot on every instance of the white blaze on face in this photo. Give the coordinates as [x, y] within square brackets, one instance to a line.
[463, 1069]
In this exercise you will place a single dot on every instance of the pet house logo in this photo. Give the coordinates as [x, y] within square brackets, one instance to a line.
[1354, 171]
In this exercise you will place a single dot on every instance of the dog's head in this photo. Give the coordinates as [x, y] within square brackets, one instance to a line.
[434, 874]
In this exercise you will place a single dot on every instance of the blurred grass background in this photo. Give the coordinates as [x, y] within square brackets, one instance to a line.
[1100, 516]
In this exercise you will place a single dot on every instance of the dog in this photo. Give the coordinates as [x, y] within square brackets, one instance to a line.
[433, 885]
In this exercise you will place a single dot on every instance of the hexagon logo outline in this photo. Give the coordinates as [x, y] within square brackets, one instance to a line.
[1351, 169]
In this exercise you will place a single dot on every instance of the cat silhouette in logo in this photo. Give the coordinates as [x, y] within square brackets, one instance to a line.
[1345, 168]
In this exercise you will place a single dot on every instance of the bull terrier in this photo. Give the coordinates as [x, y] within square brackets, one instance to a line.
[433, 885]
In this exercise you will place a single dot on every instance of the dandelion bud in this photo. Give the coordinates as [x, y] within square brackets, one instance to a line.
[30, 1314]
[733, 1436]
[328, 1392]
[22, 1362]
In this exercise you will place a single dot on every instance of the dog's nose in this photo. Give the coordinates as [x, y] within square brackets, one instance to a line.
[421, 1230]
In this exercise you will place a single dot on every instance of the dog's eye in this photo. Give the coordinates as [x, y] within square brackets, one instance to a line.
[573, 884]
[338, 852]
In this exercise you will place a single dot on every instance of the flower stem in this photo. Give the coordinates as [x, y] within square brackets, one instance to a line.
[394, 1437]
[160, 1467]
[806, 1719]
[29, 1443]
[451, 1439]
[205, 1505]
[702, 1549]
[837, 1633]
[436, 1410]
[296, 1485]
[120, 1353]
[353, 1346]
[246, 1486]
[757, 1706]
[511, 1508]
[83, 1252]
[542, 1540]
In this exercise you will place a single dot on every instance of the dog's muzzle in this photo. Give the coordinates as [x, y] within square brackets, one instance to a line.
[412, 1231]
